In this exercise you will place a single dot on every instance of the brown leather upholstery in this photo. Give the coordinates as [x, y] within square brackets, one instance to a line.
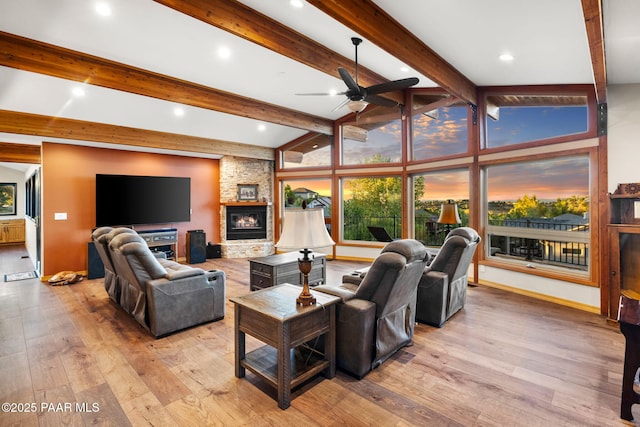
[377, 317]
[442, 290]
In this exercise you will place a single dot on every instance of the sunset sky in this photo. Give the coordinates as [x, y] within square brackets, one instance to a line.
[547, 179]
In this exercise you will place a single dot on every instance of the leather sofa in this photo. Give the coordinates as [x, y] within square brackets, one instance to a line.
[376, 316]
[442, 290]
[162, 295]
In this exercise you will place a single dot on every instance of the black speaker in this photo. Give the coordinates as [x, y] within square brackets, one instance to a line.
[96, 267]
[214, 251]
[196, 246]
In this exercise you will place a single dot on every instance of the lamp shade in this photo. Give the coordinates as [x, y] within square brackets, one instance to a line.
[449, 213]
[357, 106]
[304, 229]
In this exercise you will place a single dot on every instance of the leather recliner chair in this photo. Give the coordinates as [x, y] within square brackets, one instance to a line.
[101, 237]
[163, 298]
[377, 316]
[442, 290]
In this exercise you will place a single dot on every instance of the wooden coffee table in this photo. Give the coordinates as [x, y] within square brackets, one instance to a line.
[272, 316]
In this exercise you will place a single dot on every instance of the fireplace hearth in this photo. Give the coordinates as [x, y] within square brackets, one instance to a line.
[246, 222]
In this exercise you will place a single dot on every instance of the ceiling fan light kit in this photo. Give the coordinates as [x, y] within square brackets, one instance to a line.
[357, 106]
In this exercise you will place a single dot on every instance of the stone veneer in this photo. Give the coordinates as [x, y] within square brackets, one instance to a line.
[239, 170]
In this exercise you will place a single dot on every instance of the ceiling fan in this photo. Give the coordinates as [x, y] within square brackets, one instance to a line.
[359, 97]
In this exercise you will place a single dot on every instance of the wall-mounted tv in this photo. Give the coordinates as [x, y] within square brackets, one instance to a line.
[132, 200]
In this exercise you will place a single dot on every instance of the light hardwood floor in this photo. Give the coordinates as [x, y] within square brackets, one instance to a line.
[504, 360]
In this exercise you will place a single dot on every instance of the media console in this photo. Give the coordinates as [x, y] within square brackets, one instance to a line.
[163, 240]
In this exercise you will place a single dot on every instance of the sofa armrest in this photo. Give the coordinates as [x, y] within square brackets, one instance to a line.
[177, 304]
[432, 297]
[355, 340]
[182, 274]
[345, 291]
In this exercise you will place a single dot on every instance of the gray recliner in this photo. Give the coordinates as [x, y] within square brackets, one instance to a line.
[163, 296]
[377, 316]
[442, 290]
[101, 237]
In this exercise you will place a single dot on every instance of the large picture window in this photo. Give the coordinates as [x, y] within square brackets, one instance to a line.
[518, 119]
[431, 191]
[438, 132]
[538, 211]
[371, 202]
[375, 137]
[312, 151]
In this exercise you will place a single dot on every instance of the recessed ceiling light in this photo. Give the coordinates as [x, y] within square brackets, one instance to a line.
[404, 69]
[333, 92]
[296, 3]
[78, 91]
[262, 127]
[178, 111]
[103, 9]
[224, 52]
[506, 57]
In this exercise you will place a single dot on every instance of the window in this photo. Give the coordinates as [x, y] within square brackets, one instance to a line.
[538, 211]
[312, 151]
[371, 201]
[374, 137]
[316, 193]
[515, 119]
[431, 190]
[438, 132]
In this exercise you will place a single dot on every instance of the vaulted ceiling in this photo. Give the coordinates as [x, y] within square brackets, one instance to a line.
[153, 74]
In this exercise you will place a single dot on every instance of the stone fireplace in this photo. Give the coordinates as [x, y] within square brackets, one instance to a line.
[244, 242]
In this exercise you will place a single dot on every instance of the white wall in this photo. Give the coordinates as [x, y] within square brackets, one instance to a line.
[623, 132]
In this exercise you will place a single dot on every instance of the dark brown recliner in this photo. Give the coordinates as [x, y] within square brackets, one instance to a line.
[377, 316]
[442, 290]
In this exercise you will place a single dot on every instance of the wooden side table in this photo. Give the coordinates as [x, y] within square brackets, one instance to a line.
[272, 316]
[283, 268]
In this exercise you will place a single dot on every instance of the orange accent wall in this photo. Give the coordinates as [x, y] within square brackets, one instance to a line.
[68, 186]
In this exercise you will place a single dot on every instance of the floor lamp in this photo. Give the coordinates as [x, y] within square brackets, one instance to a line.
[303, 229]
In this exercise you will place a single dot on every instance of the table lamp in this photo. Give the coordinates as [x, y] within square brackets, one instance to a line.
[449, 215]
[303, 229]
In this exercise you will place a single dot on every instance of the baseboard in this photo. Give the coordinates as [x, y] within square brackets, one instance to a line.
[536, 295]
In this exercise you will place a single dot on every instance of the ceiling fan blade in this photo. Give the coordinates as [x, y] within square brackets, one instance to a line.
[348, 80]
[380, 100]
[342, 104]
[321, 94]
[392, 85]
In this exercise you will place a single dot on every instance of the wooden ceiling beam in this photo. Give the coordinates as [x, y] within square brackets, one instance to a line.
[369, 20]
[19, 153]
[244, 22]
[30, 55]
[592, 11]
[57, 127]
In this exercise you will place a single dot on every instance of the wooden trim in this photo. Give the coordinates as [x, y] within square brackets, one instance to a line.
[19, 153]
[543, 297]
[372, 22]
[56, 127]
[244, 204]
[30, 55]
[592, 11]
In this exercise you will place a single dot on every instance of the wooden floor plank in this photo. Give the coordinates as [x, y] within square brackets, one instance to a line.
[505, 359]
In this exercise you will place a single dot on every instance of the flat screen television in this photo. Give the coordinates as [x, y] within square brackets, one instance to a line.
[132, 200]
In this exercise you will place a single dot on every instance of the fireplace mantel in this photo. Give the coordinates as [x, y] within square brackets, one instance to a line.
[245, 203]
